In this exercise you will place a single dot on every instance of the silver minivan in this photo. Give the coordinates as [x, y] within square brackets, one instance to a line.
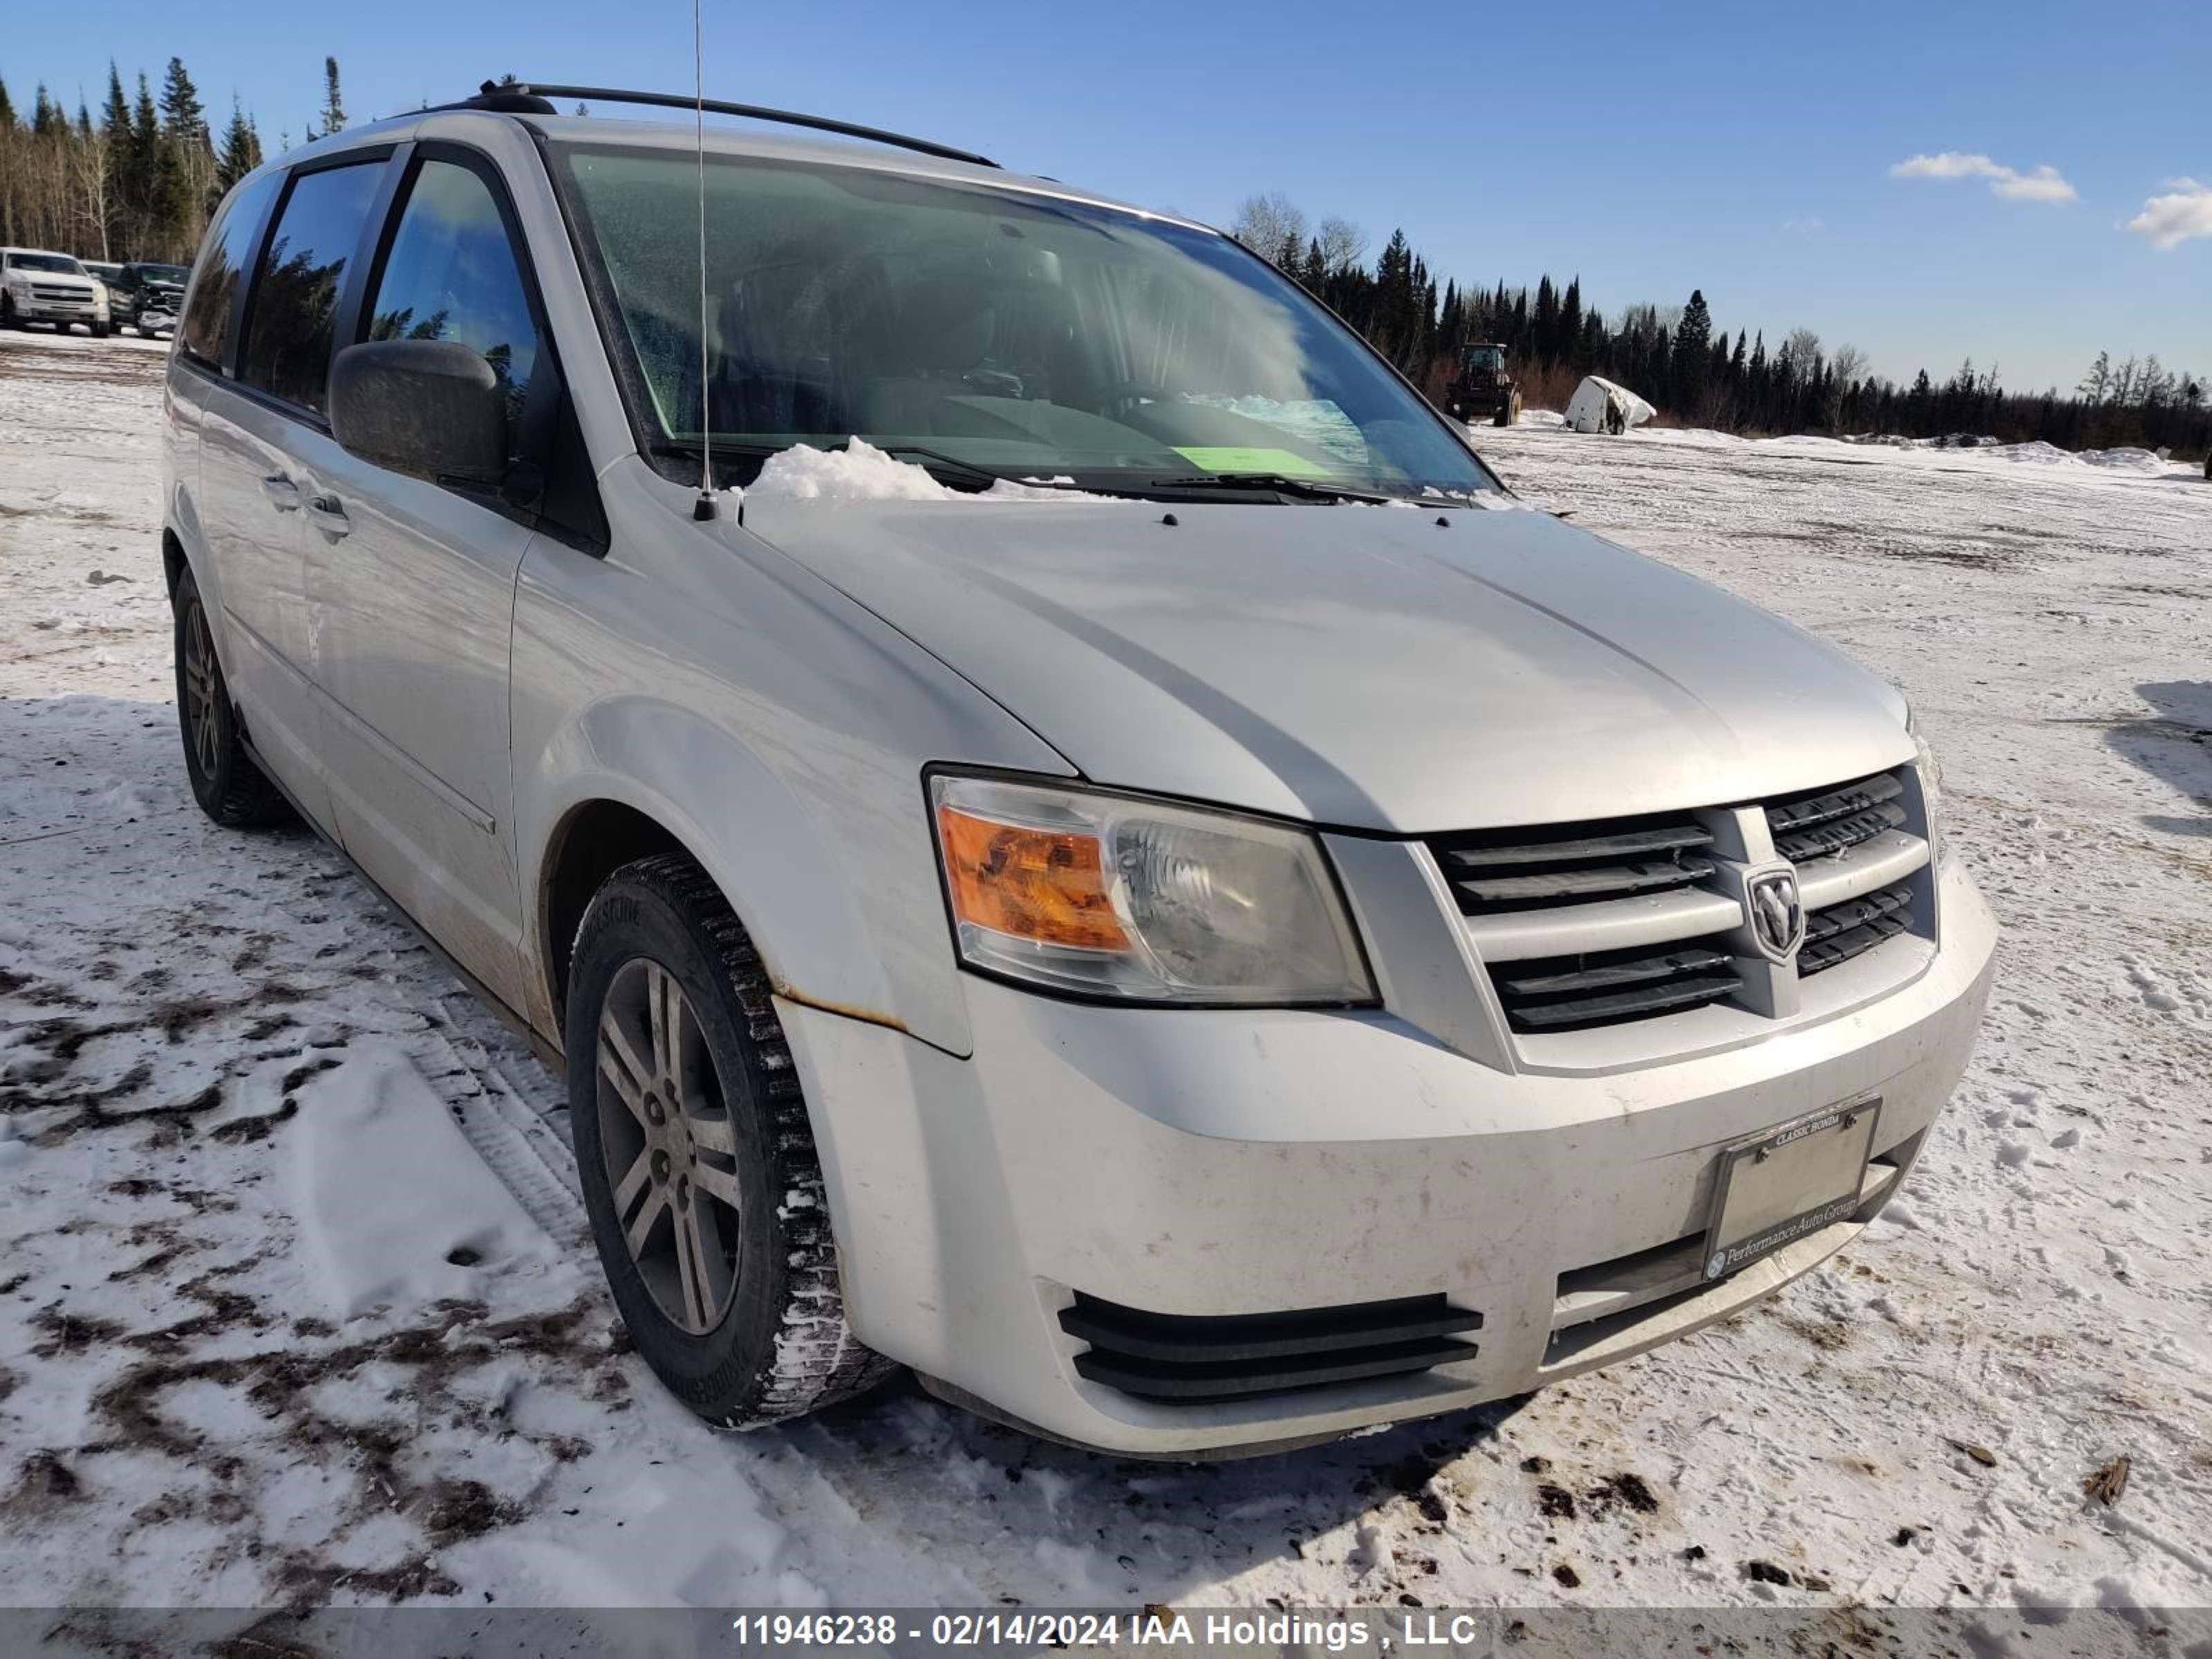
[1067, 832]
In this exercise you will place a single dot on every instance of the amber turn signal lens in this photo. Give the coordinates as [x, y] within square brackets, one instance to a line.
[1042, 884]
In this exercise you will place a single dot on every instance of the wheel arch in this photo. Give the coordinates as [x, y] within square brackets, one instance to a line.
[174, 563]
[690, 786]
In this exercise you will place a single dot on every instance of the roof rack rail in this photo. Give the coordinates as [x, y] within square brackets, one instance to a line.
[535, 97]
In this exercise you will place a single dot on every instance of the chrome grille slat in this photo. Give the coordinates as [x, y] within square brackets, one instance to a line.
[1596, 881]
[1584, 849]
[1878, 863]
[1685, 913]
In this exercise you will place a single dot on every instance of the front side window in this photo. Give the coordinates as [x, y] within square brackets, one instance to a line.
[451, 275]
[294, 309]
[222, 259]
[1001, 331]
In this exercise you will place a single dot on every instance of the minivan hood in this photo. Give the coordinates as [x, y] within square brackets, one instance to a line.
[1367, 667]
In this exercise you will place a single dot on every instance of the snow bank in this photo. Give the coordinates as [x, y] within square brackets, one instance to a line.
[2034, 452]
[861, 473]
[394, 1203]
[2125, 460]
[1599, 405]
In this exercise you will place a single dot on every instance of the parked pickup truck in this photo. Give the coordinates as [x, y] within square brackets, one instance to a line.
[147, 299]
[37, 286]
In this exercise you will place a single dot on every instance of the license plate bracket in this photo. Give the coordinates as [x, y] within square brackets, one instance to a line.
[1794, 1179]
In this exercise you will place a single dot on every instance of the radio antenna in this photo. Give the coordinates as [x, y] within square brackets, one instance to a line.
[703, 508]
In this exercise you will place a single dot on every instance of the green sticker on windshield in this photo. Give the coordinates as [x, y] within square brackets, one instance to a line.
[1252, 461]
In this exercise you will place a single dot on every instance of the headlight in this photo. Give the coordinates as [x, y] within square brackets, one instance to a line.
[1931, 787]
[1131, 900]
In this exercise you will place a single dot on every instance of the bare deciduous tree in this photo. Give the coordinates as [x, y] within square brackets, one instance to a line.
[1343, 245]
[1270, 224]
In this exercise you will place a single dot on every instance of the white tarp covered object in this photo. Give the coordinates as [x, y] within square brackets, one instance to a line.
[1599, 405]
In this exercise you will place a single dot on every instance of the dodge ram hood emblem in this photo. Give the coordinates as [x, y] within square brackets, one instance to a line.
[1777, 915]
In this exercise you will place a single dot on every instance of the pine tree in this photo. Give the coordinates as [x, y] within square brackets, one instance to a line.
[7, 111]
[188, 154]
[138, 167]
[1545, 325]
[1694, 341]
[183, 117]
[241, 151]
[334, 115]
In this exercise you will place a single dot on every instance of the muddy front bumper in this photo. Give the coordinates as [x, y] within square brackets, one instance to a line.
[1093, 1180]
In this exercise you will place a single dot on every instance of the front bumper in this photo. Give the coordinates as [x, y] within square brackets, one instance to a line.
[1189, 1162]
[34, 310]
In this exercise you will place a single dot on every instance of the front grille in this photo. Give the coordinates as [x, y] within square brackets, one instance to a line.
[1594, 924]
[1855, 926]
[1568, 864]
[1836, 820]
[1196, 1359]
[71, 295]
[1563, 992]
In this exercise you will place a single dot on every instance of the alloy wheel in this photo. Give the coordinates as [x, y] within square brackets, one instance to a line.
[669, 1146]
[202, 687]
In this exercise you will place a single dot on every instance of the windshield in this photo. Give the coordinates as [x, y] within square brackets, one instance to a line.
[55, 262]
[1009, 334]
[162, 273]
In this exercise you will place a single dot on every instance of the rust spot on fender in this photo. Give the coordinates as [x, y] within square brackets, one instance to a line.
[843, 1010]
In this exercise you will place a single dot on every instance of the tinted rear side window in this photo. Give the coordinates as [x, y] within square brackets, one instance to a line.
[222, 258]
[295, 307]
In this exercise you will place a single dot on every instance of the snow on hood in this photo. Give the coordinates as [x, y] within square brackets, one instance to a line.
[861, 473]
[1374, 670]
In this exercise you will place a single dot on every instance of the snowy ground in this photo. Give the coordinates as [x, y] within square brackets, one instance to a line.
[295, 1302]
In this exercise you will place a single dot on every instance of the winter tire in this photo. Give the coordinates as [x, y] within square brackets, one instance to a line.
[99, 330]
[227, 783]
[697, 1161]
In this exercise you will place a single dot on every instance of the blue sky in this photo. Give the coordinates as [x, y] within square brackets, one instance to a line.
[1746, 149]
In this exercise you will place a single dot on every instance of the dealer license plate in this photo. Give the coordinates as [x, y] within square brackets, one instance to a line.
[1792, 1180]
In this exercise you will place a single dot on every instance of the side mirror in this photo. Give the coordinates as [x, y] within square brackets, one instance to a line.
[432, 408]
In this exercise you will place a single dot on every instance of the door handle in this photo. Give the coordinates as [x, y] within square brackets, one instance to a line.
[284, 495]
[328, 515]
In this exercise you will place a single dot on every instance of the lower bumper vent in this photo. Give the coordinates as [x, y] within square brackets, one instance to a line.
[1193, 1359]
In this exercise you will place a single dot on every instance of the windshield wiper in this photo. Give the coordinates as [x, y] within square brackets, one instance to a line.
[971, 469]
[1280, 483]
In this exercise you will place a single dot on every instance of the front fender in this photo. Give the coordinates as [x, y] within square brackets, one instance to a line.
[775, 729]
[757, 841]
